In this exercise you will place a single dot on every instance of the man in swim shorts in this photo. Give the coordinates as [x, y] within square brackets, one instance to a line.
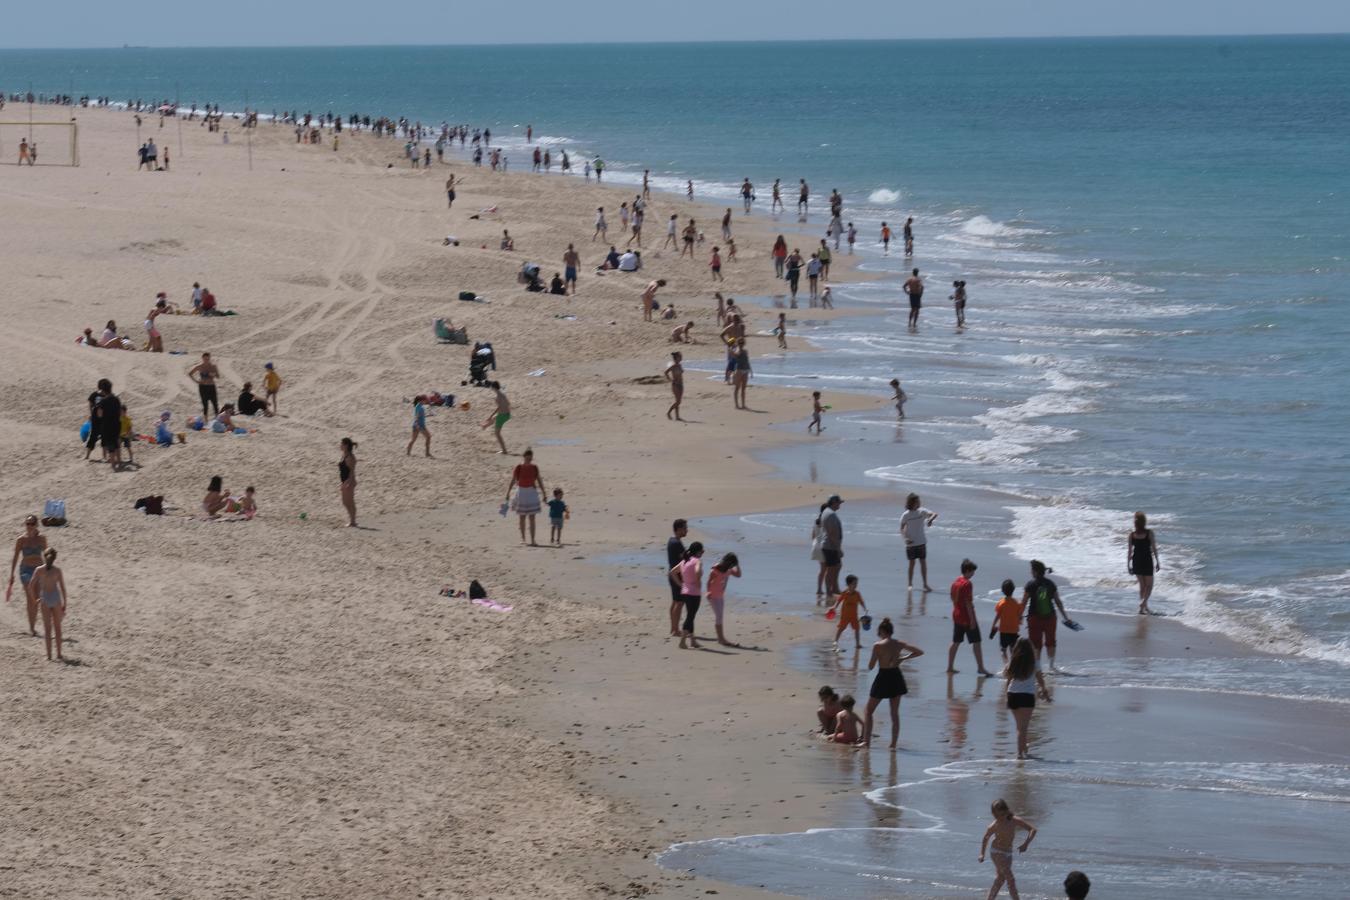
[501, 416]
[571, 262]
[832, 546]
[914, 289]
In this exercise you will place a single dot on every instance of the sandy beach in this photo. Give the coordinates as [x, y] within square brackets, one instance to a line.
[287, 707]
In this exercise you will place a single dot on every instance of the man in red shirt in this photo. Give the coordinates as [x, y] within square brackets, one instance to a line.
[964, 625]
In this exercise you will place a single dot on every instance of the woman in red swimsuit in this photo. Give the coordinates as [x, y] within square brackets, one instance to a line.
[529, 485]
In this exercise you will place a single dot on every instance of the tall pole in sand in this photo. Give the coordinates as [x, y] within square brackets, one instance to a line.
[178, 114]
[249, 132]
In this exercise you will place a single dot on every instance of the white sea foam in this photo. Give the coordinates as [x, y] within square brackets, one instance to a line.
[883, 197]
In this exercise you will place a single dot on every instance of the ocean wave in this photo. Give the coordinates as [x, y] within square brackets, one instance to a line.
[883, 197]
[983, 226]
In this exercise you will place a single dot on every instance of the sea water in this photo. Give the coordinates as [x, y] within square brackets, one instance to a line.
[1154, 233]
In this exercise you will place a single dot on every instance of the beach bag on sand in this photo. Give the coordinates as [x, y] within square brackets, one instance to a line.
[54, 513]
[153, 505]
[476, 591]
[467, 295]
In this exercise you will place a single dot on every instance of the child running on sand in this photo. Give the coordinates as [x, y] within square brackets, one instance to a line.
[1024, 682]
[847, 604]
[829, 709]
[846, 723]
[1007, 619]
[419, 425]
[728, 567]
[816, 410]
[1003, 830]
[557, 513]
[271, 385]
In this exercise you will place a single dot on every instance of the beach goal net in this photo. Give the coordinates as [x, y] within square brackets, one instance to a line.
[58, 143]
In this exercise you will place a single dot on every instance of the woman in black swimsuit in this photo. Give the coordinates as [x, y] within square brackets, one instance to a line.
[887, 655]
[347, 474]
[1141, 560]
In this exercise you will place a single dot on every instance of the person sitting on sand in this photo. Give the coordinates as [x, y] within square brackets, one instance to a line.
[669, 312]
[846, 723]
[682, 335]
[87, 339]
[508, 242]
[248, 504]
[631, 261]
[249, 404]
[224, 420]
[557, 286]
[209, 307]
[829, 709]
[110, 340]
[216, 499]
[611, 260]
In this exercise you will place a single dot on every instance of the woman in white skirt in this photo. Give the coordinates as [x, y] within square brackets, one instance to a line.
[529, 485]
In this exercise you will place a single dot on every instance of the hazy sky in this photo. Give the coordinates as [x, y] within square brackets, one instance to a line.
[102, 23]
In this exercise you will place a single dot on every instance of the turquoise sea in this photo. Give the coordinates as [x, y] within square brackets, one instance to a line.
[1155, 234]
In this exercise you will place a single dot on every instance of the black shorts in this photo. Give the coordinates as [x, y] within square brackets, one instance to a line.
[1021, 701]
[110, 439]
[1007, 641]
[832, 558]
[916, 551]
[675, 595]
[915, 301]
[964, 633]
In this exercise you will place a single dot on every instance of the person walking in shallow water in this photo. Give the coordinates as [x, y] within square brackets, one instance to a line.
[1141, 559]
[914, 290]
[889, 683]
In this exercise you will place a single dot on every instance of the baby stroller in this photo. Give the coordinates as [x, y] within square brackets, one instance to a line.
[482, 359]
[529, 276]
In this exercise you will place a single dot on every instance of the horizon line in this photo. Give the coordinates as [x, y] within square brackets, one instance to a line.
[729, 41]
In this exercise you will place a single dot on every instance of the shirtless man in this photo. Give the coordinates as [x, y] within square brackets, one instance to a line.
[914, 288]
[450, 191]
[803, 199]
[571, 264]
[675, 375]
[649, 298]
[682, 335]
[205, 374]
[747, 195]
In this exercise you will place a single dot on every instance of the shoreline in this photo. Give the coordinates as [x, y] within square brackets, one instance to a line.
[623, 745]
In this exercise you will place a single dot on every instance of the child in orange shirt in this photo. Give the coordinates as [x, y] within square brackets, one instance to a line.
[847, 605]
[1007, 619]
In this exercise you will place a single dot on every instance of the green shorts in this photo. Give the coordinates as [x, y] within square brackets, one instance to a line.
[501, 419]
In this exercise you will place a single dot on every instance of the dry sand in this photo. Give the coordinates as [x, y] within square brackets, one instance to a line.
[285, 707]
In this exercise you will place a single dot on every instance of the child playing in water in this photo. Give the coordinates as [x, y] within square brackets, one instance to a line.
[816, 410]
[900, 397]
[829, 709]
[557, 512]
[847, 604]
[1004, 831]
[781, 331]
[846, 723]
[1007, 619]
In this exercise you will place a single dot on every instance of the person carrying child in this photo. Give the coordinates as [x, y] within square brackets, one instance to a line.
[557, 513]
[845, 723]
[847, 606]
[1007, 619]
[1003, 831]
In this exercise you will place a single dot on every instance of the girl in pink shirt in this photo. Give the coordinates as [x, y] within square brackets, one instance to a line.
[688, 574]
[717, 587]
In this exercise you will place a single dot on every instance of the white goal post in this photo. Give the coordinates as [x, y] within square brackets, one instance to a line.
[58, 143]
